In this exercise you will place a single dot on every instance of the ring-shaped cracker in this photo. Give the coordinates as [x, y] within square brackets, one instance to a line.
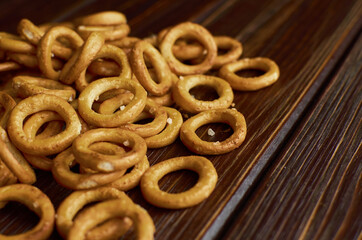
[83, 57]
[144, 130]
[270, 76]
[33, 34]
[161, 69]
[91, 217]
[229, 116]
[51, 145]
[171, 131]
[181, 93]
[109, 52]
[96, 88]
[74, 203]
[78, 181]
[27, 86]
[46, 44]
[193, 196]
[183, 49]
[37, 202]
[193, 30]
[108, 163]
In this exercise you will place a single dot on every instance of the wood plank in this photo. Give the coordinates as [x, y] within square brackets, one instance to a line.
[306, 54]
[313, 189]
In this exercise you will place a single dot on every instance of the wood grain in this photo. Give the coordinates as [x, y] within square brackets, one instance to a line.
[313, 189]
[306, 39]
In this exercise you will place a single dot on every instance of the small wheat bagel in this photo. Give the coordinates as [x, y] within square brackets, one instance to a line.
[270, 76]
[199, 192]
[229, 116]
[96, 88]
[46, 44]
[193, 30]
[181, 93]
[51, 145]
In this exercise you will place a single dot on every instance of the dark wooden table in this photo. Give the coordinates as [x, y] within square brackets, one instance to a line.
[298, 173]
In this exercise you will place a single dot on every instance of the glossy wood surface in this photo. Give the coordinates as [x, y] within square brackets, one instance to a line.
[298, 173]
